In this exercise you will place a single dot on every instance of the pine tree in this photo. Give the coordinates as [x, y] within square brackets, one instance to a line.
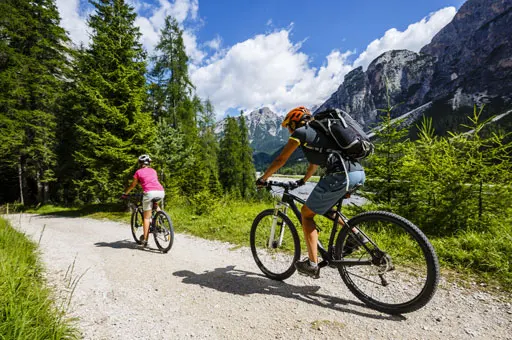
[230, 165]
[32, 67]
[113, 129]
[430, 175]
[169, 157]
[75, 104]
[247, 187]
[485, 160]
[209, 146]
[458, 182]
[384, 172]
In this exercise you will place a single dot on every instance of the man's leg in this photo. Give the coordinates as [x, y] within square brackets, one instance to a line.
[310, 233]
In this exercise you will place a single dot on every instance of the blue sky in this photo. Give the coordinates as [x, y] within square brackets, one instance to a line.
[278, 53]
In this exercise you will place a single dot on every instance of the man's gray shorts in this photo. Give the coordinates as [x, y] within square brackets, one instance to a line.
[330, 189]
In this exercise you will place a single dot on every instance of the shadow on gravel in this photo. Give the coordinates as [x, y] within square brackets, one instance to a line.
[125, 244]
[240, 282]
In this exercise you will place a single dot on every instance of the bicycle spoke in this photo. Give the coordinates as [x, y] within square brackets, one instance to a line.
[163, 231]
[404, 273]
[274, 244]
[137, 225]
[364, 278]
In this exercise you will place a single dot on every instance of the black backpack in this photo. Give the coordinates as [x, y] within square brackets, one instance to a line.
[353, 142]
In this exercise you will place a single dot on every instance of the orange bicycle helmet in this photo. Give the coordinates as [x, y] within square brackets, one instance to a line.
[295, 116]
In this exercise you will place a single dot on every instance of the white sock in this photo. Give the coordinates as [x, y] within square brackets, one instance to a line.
[312, 264]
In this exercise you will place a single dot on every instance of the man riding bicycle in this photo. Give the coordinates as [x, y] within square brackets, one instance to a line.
[153, 190]
[331, 187]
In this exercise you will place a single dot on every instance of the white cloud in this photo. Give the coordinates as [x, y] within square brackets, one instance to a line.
[413, 38]
[181, 10]
[193, 52]
[150, 25]
[72, 22]
[215, 43]
[268, 70]
[150, 33]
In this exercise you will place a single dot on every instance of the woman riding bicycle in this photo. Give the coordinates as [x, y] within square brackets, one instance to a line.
[329, 190]
[153, 190]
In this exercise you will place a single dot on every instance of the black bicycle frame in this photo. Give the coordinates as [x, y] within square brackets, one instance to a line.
[334, 215]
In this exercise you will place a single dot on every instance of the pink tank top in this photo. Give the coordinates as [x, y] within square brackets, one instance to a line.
[148, 179]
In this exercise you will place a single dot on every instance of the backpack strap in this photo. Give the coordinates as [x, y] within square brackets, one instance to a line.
[337, 153]
[342, 160]
[321, 150]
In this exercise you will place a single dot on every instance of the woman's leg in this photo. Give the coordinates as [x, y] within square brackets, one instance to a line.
[147, 221]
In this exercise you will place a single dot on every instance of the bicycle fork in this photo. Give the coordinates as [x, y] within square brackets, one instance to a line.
[280, 206]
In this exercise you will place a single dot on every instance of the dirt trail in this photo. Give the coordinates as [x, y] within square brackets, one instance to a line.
[212, 290]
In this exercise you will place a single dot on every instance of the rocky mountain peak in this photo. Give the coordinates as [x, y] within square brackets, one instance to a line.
[468, 62]
[363, 93]
[474, 55]
[265, 131]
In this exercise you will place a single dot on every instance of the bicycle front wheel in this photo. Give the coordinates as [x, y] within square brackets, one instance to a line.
[163, 231]
[404, 270]
[275, 244]
[137, 224]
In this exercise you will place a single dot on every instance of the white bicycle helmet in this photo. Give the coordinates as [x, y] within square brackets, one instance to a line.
[144, 159]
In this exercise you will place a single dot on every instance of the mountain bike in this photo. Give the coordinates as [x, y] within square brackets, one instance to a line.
[383, 259]
[160, 226]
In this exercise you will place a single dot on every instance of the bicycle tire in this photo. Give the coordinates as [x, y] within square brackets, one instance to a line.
[276, 263]
[410, 266]
[137, 224]
[163, 231]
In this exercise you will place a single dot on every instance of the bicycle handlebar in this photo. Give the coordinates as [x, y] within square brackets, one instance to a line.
[132, 196]
[284, 185]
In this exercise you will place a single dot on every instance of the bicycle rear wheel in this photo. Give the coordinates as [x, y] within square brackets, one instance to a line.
[163, 231]
[137, 224]
[404, 273]
[275, 244]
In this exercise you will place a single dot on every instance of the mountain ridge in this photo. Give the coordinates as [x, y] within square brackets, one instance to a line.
[468, 62]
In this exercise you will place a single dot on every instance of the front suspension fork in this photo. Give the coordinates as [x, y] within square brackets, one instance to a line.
[283, 207]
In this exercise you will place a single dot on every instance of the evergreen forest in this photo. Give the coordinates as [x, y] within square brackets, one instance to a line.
[73, 120]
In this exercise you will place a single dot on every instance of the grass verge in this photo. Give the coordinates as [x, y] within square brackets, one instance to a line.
[27, 310]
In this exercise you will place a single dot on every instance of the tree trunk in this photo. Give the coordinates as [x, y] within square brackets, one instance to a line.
[39, 187]
[480, 202]
[20, 180]
[46, 192]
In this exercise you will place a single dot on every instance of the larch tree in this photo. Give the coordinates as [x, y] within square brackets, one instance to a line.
[171, 88]
[175, 109]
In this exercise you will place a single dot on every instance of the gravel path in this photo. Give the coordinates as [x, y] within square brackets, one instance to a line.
[212, 290]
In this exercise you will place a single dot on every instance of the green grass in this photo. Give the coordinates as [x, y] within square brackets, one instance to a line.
[487, 255]
[27, 309]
